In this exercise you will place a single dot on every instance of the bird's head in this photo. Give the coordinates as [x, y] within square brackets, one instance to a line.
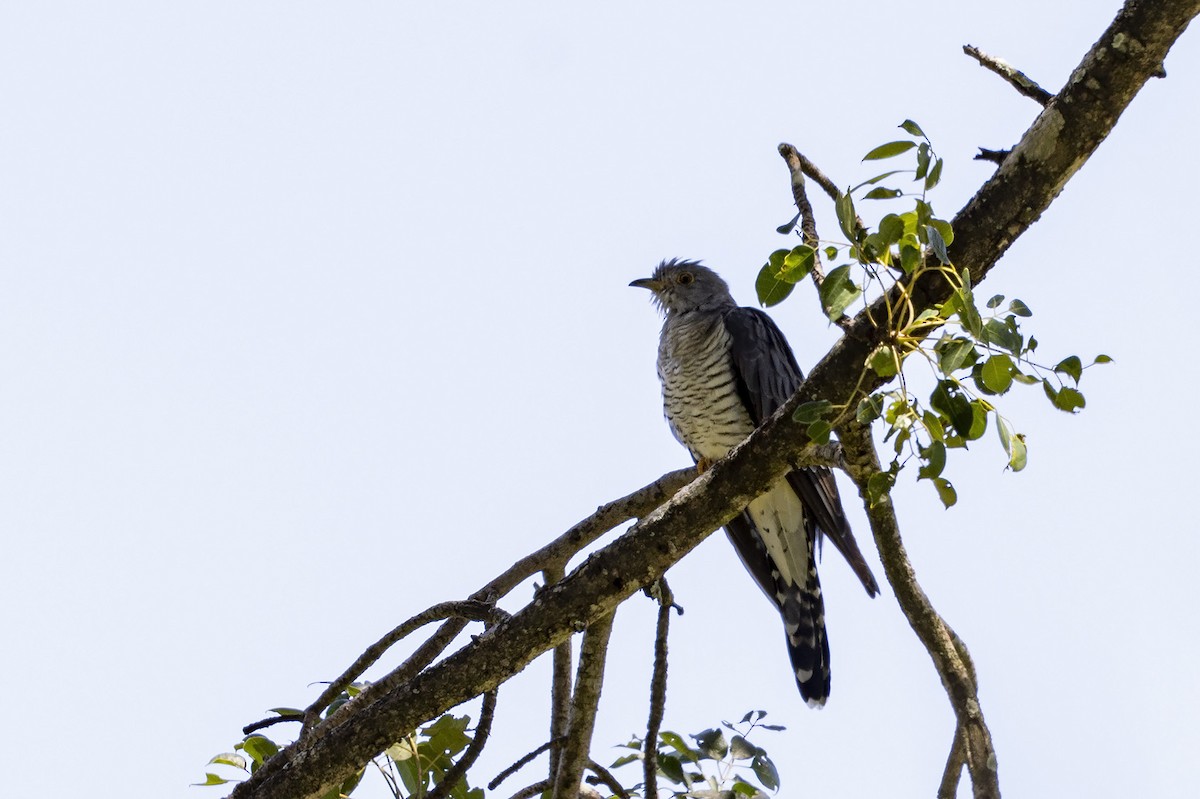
[681, 286]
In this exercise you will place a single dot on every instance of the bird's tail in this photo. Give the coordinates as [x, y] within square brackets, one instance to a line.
[803, 612]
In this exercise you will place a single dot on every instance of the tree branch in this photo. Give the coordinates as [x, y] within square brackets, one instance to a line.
[455, 773]
[1015, 77]
[1054, 148]
[944, 647]
[658, 689]
[954, 766]
[589, 680]
[469, 610]
[524, 760]
[560, 684]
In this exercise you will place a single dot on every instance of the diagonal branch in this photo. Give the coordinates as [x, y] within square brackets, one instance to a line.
[944, 647]
[589, 680]
[1054, 148]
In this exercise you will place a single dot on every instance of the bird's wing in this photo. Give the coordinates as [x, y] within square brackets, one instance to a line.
[767, 375]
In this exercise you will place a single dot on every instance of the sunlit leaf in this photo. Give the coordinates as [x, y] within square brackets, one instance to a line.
[912, 128]
[945, 491]
[889, 150]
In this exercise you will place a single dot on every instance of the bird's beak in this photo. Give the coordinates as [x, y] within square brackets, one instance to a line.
[648, 283]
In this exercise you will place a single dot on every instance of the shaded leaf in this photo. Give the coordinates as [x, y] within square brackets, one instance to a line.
[935, 460]
[1069, 400]
[889, 150]
[838, 291]
[1072, 366]
[882, 193]
[879, 485]
[996, 373]
[937, 243]
[847, 218]
[945, 491]
[788, 227]
[811, 412]
[818, 432]
[770, 287]
[883, 361]
[1018, 308]
[765, 770]
[741, 749]
[912, 128]
[869, 409]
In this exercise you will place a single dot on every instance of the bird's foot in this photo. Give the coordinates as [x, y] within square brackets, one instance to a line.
[703, 465]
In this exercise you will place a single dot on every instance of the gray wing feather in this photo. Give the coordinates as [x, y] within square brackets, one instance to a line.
[767, 376]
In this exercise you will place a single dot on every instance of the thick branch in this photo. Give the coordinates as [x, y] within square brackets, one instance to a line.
[560, 684]
[1057, 145]
[584, 700]
[944, 647]
[1015, 77]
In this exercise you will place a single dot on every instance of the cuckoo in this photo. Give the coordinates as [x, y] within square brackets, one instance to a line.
[724, 371]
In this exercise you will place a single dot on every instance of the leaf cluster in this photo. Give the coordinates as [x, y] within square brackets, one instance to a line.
[979, 355]
[714, 766]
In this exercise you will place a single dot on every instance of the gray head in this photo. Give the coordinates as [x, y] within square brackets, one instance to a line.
[681, 286]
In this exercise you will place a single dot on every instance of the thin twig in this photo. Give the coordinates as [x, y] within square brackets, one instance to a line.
[658, 689]
[589, 679]
[605, 777]
[809, 168]
[517, 766]
[532, 790]
[1015, 77]
[954, 766]
[945, 648]
[636, 505]
[994, 156]
[469, 610]
[808, 224]
[455, 773]
[560, 683]
[259, 725]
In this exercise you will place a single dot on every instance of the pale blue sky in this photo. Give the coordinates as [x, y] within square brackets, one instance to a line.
[316, 314]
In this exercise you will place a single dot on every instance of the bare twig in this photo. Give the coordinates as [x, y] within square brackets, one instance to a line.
[995, 156]
[606, 778]
[533, 790]
[517, 766]
[469, 610]
[808, 224]
[589, 679]
[954, 766]
[1015, 77]
[944, 646]
[560, 683]
[455, 773]
[798, 163]
[658, 689]
[264, 723]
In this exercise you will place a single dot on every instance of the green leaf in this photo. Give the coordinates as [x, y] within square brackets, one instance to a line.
[712, 743]
[259, 747]
[448, 734]
[831, 253]
[847, 218]
[882, 193]
[1018, 308]
[623, 759]
[889, 150]
[945, 491]
[945, 229]
[869, 409]
[912, 128]
[812, 411]
[838, 292]
[765, 770]
[876, 179]
[996, 373]
[670, 767]
[744, 788]
[771, 288]
[883, 360]
[933, 426]
[879, 485]
[891, 228]
[1013, 443]
[968, 314]
[1071, 365]
[922, 161]
[798, 263]
[995, 301]
[788, 227]
[818, 432]
[954, 353]
[935, 175]
[1003, 335]
[935, 460]
[212, 779]
[1102, 359]
[937, 243]
[230, 759]
[910, 258]
[741, 749]
[1069, 400]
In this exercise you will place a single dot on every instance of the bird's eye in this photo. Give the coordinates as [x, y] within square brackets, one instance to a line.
[684, 278]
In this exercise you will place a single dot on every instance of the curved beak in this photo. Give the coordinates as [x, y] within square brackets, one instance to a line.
[648, 283]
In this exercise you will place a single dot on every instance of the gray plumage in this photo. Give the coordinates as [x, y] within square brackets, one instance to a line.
[724, 371]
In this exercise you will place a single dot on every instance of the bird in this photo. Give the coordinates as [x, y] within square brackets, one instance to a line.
[724, 370]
